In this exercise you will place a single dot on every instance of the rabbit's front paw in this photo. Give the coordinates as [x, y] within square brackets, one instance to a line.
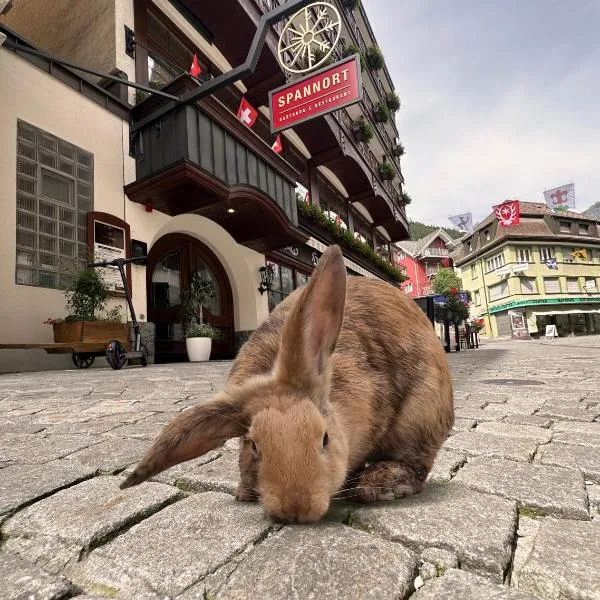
[244, 494]
[384, 481]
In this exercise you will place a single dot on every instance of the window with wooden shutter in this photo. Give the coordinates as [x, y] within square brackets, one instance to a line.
[498, 291]
[573, 285]
[551, 285]
[528, 285]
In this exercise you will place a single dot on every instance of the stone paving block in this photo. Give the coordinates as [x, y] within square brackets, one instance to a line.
[533, 420]
[461, 424]
[21, 580]
[592, 429]
[526, 534]
[220, 475]
[545, 489]
[111, 455]
[582, 458]
[446, 464]
[36, 449]
[174, 548]
[23, 484]
[92, 427]
[564, 562]
[441, 559]
[568, 412]
[328, 562]
[594, 500]
[536, 434]
[474, 443]
[478, 528]
[581, 438]
[477, 414]
[461, 585]
[84, 516]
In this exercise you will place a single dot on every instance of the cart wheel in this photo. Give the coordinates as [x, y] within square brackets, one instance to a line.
[116, 355]
[83, 361]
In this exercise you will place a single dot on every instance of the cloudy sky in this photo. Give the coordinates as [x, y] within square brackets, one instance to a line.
[500, 99]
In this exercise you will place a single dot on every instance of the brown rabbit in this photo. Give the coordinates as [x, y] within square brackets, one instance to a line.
[344, 390]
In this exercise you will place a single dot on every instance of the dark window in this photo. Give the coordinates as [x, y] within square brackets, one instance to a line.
[285, 280]
[55, 184]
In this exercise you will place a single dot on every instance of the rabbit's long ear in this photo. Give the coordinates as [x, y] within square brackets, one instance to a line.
[192, 434]
[313, 325]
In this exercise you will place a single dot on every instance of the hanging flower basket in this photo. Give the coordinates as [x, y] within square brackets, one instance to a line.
[387, 171]
[375, 58]
[362, 130]
[350, 50]
[398, 150]
[405, 199]
[382, 112]
[393, 101]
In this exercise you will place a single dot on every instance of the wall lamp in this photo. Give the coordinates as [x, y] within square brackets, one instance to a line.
[266, 278]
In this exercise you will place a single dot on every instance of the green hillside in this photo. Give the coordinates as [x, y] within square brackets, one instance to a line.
[420, 230]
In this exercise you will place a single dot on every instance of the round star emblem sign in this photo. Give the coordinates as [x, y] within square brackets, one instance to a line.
[309, 37]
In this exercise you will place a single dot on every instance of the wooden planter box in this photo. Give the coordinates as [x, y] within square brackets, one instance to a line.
[90, 331]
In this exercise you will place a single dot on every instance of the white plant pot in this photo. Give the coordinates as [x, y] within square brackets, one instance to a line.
[198, 348]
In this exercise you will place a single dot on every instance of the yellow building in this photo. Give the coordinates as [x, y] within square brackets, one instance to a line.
[544, 271]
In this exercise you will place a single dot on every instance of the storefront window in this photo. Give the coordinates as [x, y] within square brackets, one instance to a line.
[285, 280]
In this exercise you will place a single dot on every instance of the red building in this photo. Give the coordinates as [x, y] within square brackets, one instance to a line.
[422, 259]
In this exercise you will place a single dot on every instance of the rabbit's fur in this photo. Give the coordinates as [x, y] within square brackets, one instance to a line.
[343, 391]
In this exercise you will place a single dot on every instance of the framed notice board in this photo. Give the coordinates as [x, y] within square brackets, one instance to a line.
[109, 238]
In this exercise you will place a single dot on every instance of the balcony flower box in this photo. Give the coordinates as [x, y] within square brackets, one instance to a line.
[374, 58]
[362, 130]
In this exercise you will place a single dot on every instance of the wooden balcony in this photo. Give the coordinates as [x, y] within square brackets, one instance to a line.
[200, 159]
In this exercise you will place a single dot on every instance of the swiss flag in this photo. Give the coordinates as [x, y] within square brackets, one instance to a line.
[195, 69]
[277, 146]
[246, 113]
[508, 213]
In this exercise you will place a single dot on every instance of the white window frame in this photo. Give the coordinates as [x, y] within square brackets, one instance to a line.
[547, 253]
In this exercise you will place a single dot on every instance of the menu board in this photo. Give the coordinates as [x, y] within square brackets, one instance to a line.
[109, 243]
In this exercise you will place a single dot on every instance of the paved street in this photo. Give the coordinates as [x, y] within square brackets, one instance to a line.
[512, 511]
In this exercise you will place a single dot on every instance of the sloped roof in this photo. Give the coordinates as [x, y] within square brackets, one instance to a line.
[415, 247]
[531, 225]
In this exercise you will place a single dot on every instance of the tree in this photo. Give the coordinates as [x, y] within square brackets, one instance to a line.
[445, 280]
[448, 283]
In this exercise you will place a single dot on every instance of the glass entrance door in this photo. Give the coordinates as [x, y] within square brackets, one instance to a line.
[172, 261]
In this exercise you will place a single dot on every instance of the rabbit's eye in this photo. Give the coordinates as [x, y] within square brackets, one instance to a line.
[254, 447]
[325, 440]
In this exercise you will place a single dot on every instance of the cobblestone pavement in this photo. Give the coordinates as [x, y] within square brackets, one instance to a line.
[511, 512]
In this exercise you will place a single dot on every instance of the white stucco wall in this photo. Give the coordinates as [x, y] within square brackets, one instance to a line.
[29, 94]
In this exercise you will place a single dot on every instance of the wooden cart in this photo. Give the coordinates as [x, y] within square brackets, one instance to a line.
[82, 353]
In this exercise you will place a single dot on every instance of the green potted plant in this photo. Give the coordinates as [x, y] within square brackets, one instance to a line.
[382, 112]
[387, 171]
[405, 199]
[350, 50]
[362, 130]
[398, 150]
[86, 295]
[393, 101]
[319, 55]
[374, 58]
[198, 335]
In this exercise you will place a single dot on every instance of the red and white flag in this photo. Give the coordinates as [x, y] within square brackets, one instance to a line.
[277, 147]
[246, 113]
[195, 69]
[508, 213]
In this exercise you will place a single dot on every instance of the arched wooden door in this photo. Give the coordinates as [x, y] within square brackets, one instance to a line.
[172, 261]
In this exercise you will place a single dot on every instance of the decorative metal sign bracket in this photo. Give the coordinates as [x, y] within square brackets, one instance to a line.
[246, 68]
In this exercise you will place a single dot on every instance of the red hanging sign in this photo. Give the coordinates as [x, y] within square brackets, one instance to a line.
[325, 91]
[508, 213]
